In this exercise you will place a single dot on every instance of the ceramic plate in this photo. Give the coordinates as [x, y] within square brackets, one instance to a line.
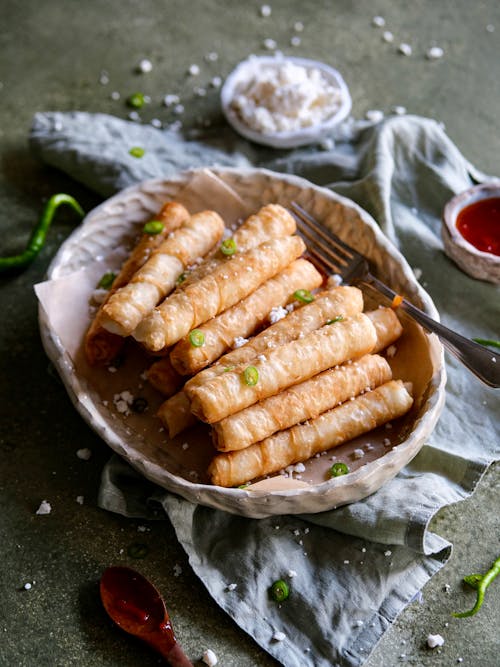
[179, 465]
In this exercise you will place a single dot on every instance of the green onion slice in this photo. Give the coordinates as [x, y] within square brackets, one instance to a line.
[197, 338]
[136, 101]
[279, 591]
[228, 247]
[251, 376]
[136, 151]
[339, 318]
[303, 295]
[106, 280]
[153, 227]
[182, 278]
[339, 469]
[487, 342]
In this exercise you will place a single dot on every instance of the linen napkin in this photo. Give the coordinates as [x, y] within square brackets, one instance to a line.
[347, 585]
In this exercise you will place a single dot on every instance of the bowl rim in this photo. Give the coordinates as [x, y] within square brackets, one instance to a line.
[291, 138]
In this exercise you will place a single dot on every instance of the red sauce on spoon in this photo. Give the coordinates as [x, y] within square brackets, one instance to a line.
[479, 224]
[137, 607]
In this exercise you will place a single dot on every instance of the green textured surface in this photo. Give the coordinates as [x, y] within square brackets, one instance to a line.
[52, 54]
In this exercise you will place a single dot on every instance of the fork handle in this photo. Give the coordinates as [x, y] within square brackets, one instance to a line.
[477, 358]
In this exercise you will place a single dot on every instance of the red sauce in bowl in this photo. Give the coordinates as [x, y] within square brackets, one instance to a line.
[479, 224]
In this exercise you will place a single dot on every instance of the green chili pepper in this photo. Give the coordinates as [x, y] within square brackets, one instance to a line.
[228, 247]
[136, 100]
[138, 550]
[153, 227]
[182, 278]
[339, 318]
[279, 591]
[480, 583]
[137, 151]
[106, 280]
[303, 295]
[339, 469]
[197, 338]
[39, 233]
[487, 342]
[250, 376]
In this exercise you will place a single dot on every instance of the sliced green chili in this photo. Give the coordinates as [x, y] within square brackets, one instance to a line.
[228, 369]
[136, 100]
[339, 318]
[106, 280]
[480, 583]
[182, 278]
[39, 233]
[488, 342]
[153, 227]
[303, 295]
[250, 376]
[279, 591]
[339, 469]
[137, 151]
[228, 247]
[197, 338]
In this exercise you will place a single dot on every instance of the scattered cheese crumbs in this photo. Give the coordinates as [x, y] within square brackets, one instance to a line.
[85, 453]
[374, 115]
[358, 623]
[388, 36]
[292, 573]
[363, 550]
[156, 122]
[434, 640]
[388, 552]
[79, 500]
[358, 453]
[282, 96]
[133, 115]
[391, 351]
[177, 570]
[115, 95]
[145, 66]
[386, 442]
[209, 658]
[399, 111]
[98, 296]
[185, 445]
[296, 532]
[277, 313]
[447, 588]
[27, 586]
[262, 357]
[269, 44]
[460, 659]
[179, 109]
[369, 447]
[170, 100]
[216, 82]
[232, 587]
[104, 78]
[299, 27]
[239, 341]
[194, 70]
[378, 21]
[142, 529]
[299, 467]
[494, 360]
[334, 280]
[405, 49]
[346, 562]
[295, 41]
[265, 11]
[45, 508]
[279, 636]
[434, 53]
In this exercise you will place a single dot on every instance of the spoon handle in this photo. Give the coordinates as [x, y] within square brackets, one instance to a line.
[173, 653]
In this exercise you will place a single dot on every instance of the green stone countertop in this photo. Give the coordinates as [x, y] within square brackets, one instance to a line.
[65, 55]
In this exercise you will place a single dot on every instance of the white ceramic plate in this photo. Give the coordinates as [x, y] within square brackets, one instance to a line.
[291, 139]
[179, 465]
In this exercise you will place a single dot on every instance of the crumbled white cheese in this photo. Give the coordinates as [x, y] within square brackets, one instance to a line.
[282, 96]
[194, 70]
[299, 467]
[277, 313]
[334, 280]
[98, 296]
[388, 552]
[216, 82]
[292, 573]
[209, 658]
[145, 66]
[45, 508]
[134, 115]
[434, 640]
[298, 26]
[405, 49]
[232, 587]
[359, 623]
[85, 453]
[27, 586]
[434, 53]
[295, 41]
[156, 122]
[388, 36]
[378, 21]
[179, 109]
[265, 11]
[170, 100]
[391, 351]
[239, 341]
[399, 111]
[279, 636]
[115, 95]
[262, 357]
[358, 453]
[79, 500]
[177, 570]
[269, 44]
[104, 78]
[374, 115]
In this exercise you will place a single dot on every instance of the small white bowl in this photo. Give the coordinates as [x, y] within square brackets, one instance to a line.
[476, 263]
[290, 139]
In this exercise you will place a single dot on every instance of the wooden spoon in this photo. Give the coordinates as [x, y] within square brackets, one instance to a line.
[137, 607]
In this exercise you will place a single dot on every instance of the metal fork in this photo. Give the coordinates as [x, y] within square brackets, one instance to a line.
[338, 257]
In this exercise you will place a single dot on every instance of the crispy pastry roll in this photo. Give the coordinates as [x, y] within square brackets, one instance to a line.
[176, 415]
[212, 294]
[282, 367]
[163, 377]
[158, 276]
[304, 401]
[102, 346]
[299, 443]
[387, 326]
[242, 319]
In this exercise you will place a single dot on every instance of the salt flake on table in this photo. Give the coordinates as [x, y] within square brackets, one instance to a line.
[145, 66]
[434, 640]
[265, 11]
[388, 36]
[209, 658]
[405, 49]
[84, 454]
[45, 508]
[434, 53]
[79, 500]
[279, 636]
[378, 21]
[269, 44]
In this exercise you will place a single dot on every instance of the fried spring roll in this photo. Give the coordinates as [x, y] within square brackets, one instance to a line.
[304, 401]
[102, 346]
[163, 377]
[299, 443]
[243, 318]
[158, 276]
[176, 415]
[282, 367]
[221, 289]
[387, 326]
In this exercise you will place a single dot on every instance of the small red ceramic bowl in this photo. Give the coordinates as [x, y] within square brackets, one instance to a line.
[471, 231]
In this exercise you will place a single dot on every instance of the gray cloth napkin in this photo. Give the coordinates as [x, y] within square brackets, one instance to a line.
[351, 570]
